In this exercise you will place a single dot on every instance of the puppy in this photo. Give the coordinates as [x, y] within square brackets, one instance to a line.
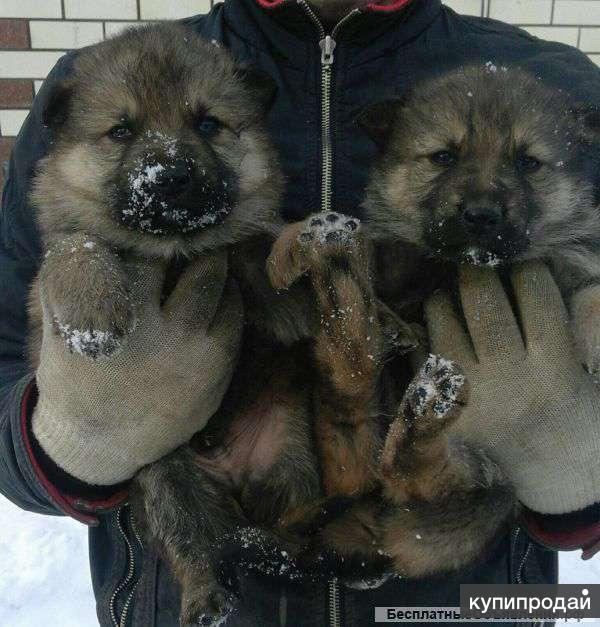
[159, 153]
[487, 165]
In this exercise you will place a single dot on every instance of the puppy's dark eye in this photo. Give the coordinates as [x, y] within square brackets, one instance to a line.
[209, 126]
[443, 157]
[120, 132]
[528, 163]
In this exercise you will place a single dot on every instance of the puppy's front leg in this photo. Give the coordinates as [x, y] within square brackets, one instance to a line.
[83, 287]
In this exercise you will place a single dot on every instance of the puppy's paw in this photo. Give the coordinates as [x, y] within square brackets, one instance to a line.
[306, 245]
[206, 604]
[329, 229]
[415, 462]
[91, 326]
[432, 401]
[90, 342]
[435, 396]
[85, 297]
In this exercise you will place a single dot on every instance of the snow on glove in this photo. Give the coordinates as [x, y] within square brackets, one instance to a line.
[101, 420]
[532, 405]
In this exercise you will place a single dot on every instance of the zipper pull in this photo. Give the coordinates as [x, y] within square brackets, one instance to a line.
[327, 46]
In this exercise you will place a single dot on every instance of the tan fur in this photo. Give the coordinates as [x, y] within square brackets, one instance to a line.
[348, 348]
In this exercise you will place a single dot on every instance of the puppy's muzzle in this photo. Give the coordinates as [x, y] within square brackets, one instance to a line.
[481, 218]
[173, 181]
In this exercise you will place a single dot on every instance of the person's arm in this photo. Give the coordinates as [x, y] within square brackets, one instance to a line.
[74, 432]
[23, 477]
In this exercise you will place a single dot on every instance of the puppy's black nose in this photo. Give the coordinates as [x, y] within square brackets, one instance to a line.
[482, 217]
[173, 180]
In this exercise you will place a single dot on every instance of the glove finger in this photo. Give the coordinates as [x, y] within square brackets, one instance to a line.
[447, 335]
[146, 278]
[544, 316]
[229, 317]
[489, 316]
[198, 292]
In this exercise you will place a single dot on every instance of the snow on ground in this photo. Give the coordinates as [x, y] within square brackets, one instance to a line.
[45, 579]
[44, 571]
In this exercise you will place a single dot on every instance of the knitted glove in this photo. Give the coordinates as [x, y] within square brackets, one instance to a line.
[101, 420]
[532, 405]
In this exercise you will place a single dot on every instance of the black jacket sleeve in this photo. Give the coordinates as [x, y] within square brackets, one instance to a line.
[19, 260]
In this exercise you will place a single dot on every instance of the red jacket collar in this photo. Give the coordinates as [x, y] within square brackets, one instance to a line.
[375, 5]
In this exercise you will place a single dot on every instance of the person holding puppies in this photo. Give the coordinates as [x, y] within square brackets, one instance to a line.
[532, 405]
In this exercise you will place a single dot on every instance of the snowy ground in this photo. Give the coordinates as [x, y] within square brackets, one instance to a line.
[44, 576]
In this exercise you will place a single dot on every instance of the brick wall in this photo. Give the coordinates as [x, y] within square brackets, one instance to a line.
[35, 33]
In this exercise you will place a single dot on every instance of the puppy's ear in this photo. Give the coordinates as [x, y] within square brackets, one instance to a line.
[588, 117]
[260, 85]
[378, 120]
[57, 105]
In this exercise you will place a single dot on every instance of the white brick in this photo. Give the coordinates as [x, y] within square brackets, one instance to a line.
[30, 8]
[27, 64]
[522, 11]
[172, 10]
[590, 40]
[577, 12]
[465, 7]
[101, 9]
[37, 85]
[563, 34]
[62, 35]
[11, 121]
[114, 28]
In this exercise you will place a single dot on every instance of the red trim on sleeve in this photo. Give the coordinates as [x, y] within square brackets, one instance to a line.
[71, 505]
[585, 538]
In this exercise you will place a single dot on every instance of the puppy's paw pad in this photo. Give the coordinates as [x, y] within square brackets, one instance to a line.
[436, 392]
[329, 227]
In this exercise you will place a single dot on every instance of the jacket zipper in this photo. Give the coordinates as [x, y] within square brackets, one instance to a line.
[335, 614]
[127, 580]
[327, 44]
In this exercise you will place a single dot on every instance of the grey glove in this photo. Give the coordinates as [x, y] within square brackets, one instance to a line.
[101, 420]
[532, 405]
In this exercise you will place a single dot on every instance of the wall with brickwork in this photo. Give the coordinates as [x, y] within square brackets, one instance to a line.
[35, 33]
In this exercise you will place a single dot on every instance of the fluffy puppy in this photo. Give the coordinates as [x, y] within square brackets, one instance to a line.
[488, 165]
[159, 153]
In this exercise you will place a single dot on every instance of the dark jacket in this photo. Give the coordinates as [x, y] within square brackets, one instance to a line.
[379, 53]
